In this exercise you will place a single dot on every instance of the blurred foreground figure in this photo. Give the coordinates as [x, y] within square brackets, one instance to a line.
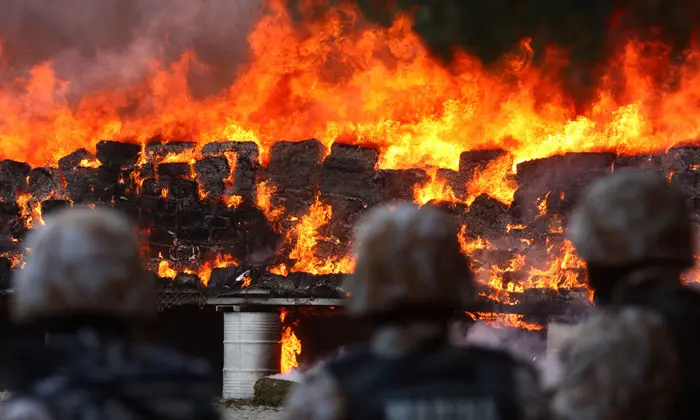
[638, 357]
[83, 291]
[410, 278]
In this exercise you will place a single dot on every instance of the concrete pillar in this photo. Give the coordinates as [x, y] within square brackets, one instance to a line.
[251, 351]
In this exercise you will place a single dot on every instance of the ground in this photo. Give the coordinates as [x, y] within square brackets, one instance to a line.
[230, 411]
[250, 413]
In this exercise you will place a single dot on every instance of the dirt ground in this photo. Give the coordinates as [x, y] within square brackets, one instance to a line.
[250, 413]
[245, 412]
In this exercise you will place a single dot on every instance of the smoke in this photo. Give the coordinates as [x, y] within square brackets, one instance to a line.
[524, 345]
[111, 43]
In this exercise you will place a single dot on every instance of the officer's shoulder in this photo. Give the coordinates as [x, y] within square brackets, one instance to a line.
[620, 330]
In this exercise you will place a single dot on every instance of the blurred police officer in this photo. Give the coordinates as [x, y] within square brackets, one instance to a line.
[85, 290]
[637, 358]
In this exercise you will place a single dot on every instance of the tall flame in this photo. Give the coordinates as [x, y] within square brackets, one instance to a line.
[291, 346]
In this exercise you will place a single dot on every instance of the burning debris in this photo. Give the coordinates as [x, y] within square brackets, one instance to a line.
[290, 229]
[486, 144]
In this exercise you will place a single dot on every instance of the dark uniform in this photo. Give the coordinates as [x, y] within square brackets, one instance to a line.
[410, 275]
[77, 304]
[635, 234]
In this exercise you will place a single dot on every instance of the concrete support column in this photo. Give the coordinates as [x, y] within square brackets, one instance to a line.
[251, 350]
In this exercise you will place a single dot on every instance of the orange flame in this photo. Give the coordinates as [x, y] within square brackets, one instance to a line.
[263, 192]
[504, 320]
[165, 270]
[30, 209]
[306, 233]
[291, 347]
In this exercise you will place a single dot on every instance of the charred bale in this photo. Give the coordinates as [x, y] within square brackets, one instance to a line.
[487, 218]
[187, 281]
[682, 158]
[560, 180]
[51, 206]
[13, 176]
[246, 235]
[242, 149]
[348, 171]
[295, 165]
[211, 173]
[477, 159]
[42, 182]
[687, 182]
[652, 162]
[184, 191]
[11, 223]
[151, 188]
[80, 157]
[346, 213]
[456, 181]
[332, 250]
[117, 154]
[295, 170]
[168, 171]
[156, 152]
[81, 184]
[246, 165]
[227, 278]
[399, 184]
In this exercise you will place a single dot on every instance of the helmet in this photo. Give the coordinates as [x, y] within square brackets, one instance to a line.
[631, 217]
[408, 257]
[83, 261]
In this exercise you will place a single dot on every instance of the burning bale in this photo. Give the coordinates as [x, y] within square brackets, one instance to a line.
[218, 221]
[503, 148]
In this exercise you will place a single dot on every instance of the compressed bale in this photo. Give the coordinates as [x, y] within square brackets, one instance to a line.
[349, 158]
[13, 176]
[247, 165]
[399, 184]
[117, 154]
[225, 278]
[75, 159]
[211, 173]
[81, 183]
[271, 391]
[42, 182]
[651, 162]
[187, 281]
[682, 158]
[158, 151]
[477, 159]
[295, 165]
[487, 218]
[243, 149]
[455, 180]
[348, 172]
[565, 177]
[183, 191]
[174, 170]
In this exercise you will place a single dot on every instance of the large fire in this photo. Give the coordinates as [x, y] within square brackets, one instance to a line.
[344, 79]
